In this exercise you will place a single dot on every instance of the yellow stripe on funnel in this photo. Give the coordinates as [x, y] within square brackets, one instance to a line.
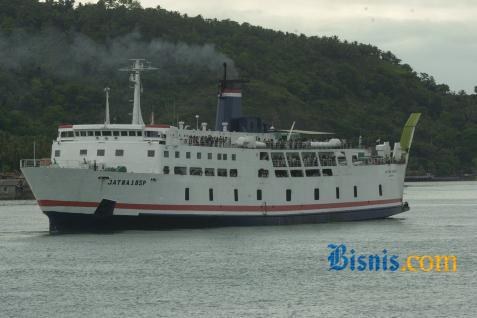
[408, 131]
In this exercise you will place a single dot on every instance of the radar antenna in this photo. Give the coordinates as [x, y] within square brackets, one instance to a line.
[137, 66]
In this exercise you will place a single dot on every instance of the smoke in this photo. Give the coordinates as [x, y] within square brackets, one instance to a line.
[70, 54]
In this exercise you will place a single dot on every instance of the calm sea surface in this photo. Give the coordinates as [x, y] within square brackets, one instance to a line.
[276, 271]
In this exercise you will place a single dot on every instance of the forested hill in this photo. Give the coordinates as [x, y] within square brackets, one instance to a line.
[57, 57]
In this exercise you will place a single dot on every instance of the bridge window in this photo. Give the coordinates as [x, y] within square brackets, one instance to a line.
[355, 190]
[83, 133]
[211, 194]
[293, 159]
[222, 172]
[100, 153]
[186, 194]
[317, 194]
[132, 133]
[296, 173]
[233, 172]
[166, 169]
[180, 171]
[115, 133]
[106, 133]
[281, 173]
[57, 153]
[209, 172]
[151, 153]
[97, 133]
[83, 152]
[195, 171]
[124, 133]
[119, 152]
[380, 190]
[337, 192]
[90, 134]
[235, 195]
[259, 195]
[289, 194]
[312, 172]
[263, 173]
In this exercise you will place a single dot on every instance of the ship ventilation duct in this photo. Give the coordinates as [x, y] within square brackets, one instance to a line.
[229, 104]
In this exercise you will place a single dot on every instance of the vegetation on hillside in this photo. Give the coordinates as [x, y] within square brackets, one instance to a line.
[57, 57]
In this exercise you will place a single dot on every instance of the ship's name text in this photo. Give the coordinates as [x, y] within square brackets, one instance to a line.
[123, 182]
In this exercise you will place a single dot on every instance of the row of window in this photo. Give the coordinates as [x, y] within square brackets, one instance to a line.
[306, 159]
[263, 173]
[220, 156]
[198, 171]
[288, 193]
[108, 133]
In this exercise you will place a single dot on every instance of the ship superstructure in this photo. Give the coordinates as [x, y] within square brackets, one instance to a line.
[242, 172]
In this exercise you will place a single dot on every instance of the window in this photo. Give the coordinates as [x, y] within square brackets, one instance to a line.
[77, 133]
[355, 189]
[264, 156]
[97, 133]
[296, 173]
[100, 153]
[262, 173]
[317, 194]
[259, 195]
[281, 173]
[235, 195]
[166, 154]
[233, 172]
[106, 132]
[83, 133]
[224, 156]
[83, 152]
[199, 155]
[211, 194]
[219, 156]
[309, 159]
[312, 172]
[337, 192]
[234, 157]
[119, 152]
[222, 172]
[195, 171]
[327, 172]
[124, 133]
[57, 153]
[342, 160]
[180, 171]
[380, 190]
[139, 133]
[288, 195]
[178, 154]
[187, 155]
[293, 159]
[209, 172]
[186, 194]
[132, 133]
[327, 159]
[151, 153]
[209, 156]
[63, 134]
[90, 133]
[116, 133]
[278, 159]
[166, 169]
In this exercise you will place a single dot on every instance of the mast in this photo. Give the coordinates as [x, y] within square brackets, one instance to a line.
[106, 120]
[137, 66]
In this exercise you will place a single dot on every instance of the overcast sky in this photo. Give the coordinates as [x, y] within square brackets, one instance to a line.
[438, 37]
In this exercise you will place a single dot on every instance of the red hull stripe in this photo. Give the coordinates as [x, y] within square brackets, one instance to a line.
[231, 208]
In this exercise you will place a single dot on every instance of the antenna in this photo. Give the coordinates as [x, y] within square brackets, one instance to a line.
[106, 120]
[291, 130]
[137, 66]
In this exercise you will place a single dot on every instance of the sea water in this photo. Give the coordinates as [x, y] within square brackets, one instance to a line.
[270, 271]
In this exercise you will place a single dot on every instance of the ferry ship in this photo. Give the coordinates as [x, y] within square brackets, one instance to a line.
[241, 172]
